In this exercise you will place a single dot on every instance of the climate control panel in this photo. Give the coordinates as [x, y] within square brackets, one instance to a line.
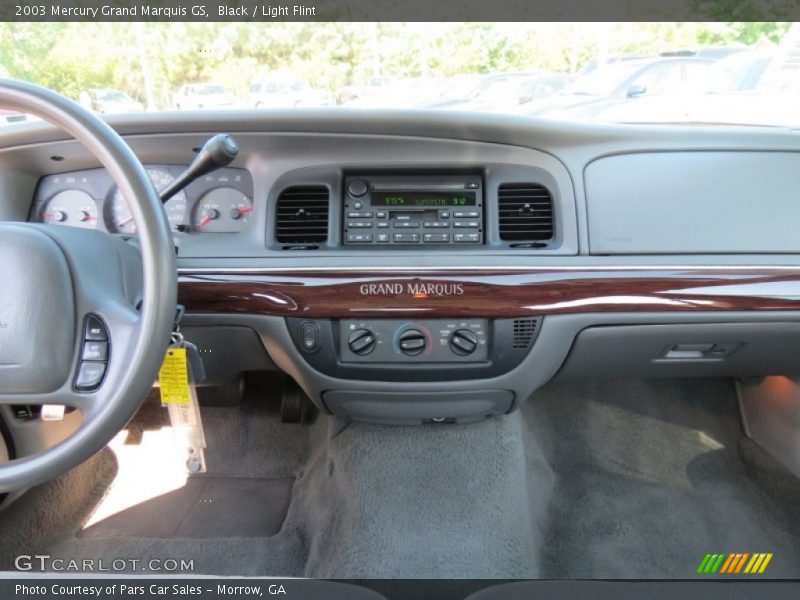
[416, 350]
[404, 340]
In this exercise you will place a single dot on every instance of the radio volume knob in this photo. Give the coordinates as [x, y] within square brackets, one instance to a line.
[463, 342]
[357, 188]
[412, 342]
[361, 342]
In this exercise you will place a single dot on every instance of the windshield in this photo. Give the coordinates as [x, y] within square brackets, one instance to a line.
[687, 73]
[604, 80]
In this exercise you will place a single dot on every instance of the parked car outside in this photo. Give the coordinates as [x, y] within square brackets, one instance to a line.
[106, 101]
[408, 92]
[349, 93]
[278, 92]
[194, 96]
[620, 84]
[505, 92]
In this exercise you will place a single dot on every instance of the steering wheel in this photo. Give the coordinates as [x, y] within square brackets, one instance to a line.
[63, 289]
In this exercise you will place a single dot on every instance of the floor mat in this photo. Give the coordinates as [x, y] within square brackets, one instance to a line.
[206, 507]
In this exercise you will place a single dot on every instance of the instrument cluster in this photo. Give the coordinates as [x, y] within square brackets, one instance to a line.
[220, 202]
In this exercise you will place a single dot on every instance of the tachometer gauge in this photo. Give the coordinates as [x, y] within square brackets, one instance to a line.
[223, 210]
[75, 208]
[119, 214]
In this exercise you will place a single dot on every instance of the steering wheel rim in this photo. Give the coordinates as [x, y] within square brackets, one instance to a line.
[98, 265]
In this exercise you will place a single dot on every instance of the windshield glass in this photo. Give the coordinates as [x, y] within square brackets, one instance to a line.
[687, 73]
[603, 80]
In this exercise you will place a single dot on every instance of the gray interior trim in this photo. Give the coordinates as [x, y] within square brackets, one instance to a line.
[496, 128]
[698, 202]
[770, 410]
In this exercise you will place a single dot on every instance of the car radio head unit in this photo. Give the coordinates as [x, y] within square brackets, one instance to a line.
[407, 211]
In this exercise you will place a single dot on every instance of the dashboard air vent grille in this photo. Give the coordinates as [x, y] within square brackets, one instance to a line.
[526, 212]
[524, 332]
[302, 215]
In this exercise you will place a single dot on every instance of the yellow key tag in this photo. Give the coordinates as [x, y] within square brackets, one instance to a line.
[173, 377]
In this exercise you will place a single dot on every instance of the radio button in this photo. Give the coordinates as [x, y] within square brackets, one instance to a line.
[358, 224]
[406, 238]
[382, 224]
[435, 224]
[462, 238]
[359, 215]
[466, 224]
[357, 205]
[382, 238]
[469, 214]
[406, 224]
[444, 214]
[436, 238]
[359, 238]
[381, 214]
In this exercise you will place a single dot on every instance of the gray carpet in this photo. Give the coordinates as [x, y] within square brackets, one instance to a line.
[650, 478]
[249, 451]
[424, 502]
[621, 479]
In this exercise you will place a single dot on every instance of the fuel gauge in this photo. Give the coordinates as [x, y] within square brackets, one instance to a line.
[223, 210]
[75, 208]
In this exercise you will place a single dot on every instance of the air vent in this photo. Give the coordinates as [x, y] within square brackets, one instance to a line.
[302, 215]
[524, 332]
[526, 212]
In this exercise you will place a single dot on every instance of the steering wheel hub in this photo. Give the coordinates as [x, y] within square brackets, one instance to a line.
[37, 315]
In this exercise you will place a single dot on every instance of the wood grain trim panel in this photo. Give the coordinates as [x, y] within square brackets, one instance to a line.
[321, 294]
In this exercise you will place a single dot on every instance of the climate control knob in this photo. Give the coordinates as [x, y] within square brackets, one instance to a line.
[412, 342]
[361, 342]
[463, 342]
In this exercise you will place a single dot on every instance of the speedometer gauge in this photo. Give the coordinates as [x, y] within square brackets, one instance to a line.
[223, 210]
[71, 207]
[119, 215]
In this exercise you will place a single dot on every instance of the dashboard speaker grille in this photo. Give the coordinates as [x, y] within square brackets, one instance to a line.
[302, 215]
[524, 332]
[526, 212]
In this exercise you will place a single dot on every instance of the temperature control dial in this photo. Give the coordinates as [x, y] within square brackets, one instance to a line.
[463, 342]
[361, 342]
[412, 342]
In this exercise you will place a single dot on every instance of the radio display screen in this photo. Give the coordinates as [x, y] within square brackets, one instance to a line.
[423, 199]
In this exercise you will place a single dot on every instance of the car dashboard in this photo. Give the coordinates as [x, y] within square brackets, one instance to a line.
[408, 267]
